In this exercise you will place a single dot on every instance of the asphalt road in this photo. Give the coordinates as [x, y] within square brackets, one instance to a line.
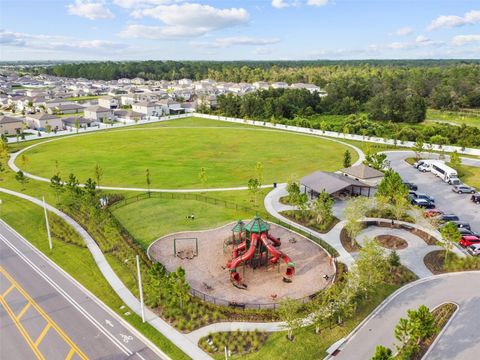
[445, 199]
[45, 314]
[460, 339]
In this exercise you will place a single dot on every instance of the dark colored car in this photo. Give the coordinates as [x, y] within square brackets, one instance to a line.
[462, 224]
[475, 198]
[423, 203]
[448, 217]
[416, 195]
[465, 231]
[411, 186]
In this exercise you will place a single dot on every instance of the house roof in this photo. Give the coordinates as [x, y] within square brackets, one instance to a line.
[71, 120]
[362, 172]
[9, 120]
[146, 103]
[330, 182]
[97, 109]
[69, 107]
[42, 116]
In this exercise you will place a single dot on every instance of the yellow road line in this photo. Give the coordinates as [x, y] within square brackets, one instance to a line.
[24, 310]
[22, 330]
[42, 334]
[8, 290]
[44, 315]
[70, 354]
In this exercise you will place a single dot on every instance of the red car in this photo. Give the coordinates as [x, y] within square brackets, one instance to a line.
[468, 240]
[432, 213]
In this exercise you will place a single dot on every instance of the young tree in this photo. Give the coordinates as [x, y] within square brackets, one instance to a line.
[422, 323]
[392, 187]
[98, 174]
[180, 286]
[289, 313]
[354, 211]
[202, 176]
[302, 204]
[455, 160]
[254, 187]
[402, 332]
[372, 265]
[450, 235]
[293, 189]
[148, 181]
[21, 178]
[382, 353]
[400, 206]
[347, 159]
[377, 161]
[90, 187]
[72, 184]
[24, 160]
[322, 208]
[57, 185]
[77, 125]
[418, 148]
[259, 172]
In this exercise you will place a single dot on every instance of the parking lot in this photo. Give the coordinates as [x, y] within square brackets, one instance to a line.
[445, 199]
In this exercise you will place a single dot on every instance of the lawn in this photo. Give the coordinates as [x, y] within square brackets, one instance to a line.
[471, 118]
[28, 220]
[149, 219]
[470, 175]
[82, 98]
[174, 156]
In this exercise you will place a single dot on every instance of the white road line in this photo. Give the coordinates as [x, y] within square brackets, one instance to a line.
[87, 315]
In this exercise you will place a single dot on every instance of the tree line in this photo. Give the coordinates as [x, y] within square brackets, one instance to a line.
[443, 84]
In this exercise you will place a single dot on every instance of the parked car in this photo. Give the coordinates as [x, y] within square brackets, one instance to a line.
[463, 189]
[432, 213]
[474, 250]
[465, 231]
[422, 196]
[448, 217]
[468, 240]
[454, 182]
[411, 186]
[475, 198]
[423, 203]
[417, 164]
[462, 224]
[423, 168]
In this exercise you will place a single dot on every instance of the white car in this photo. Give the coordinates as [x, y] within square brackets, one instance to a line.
[474, 250]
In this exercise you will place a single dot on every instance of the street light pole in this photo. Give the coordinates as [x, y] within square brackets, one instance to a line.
[47, 224]
[140, 289]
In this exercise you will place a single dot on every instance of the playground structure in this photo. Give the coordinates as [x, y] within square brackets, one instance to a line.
[253, 246]
[185, 252]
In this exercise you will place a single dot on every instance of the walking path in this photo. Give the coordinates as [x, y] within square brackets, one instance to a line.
[459, 341]
[412, 256]
[179, 339]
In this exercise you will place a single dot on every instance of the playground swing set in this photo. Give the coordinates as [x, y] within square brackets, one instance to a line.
[185, 254]
[253, 246]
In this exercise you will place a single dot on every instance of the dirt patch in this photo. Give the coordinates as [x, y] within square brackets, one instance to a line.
[435, 261]
[207, 272]
[391, 242]
[347, 242]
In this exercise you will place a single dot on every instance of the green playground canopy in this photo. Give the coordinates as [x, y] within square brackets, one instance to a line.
[257, 225]
[239, 227]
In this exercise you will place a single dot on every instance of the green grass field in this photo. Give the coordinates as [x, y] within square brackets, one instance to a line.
[149, 219]
[471, 118]
[175, 156]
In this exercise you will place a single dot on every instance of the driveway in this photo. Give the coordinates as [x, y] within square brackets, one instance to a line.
[445, 199]
[460, 339]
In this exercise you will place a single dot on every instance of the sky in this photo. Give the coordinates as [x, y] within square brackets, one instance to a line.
[238, 30]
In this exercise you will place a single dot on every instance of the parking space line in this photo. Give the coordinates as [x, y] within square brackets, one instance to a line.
[50, 322]
[8, 290]
[24, 310]
[70, 354]
[42, 334]
[20, 328]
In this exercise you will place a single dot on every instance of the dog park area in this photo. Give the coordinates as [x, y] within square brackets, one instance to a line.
[208, 274]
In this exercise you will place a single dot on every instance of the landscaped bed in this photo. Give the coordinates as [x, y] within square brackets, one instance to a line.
[237, 342]
[322, 227]
[435, 262]
[391, 242]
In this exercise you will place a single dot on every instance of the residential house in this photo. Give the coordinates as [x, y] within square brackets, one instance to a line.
[279, 85]
[66, 109]
[98, 113]
[40, 121]
[108, 102]
[73, 122]
[129, 115]
[148, 108]
[10, 125]
[138, 81]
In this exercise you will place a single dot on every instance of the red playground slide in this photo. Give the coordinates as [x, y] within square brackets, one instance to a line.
[276, 241]
[277, 254]
[234, 275]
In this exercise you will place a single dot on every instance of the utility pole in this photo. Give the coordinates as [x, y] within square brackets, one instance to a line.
[47, 224]
[142, 307]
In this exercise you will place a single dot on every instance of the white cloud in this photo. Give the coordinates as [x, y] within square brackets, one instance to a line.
[465, 39]
[236, 40]
[57, 43]
[185, 20]
[92, 10]
[280, 4]
[450, 21]
[131, 4]
[317, 2]
[421, 39]
[404, 31]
